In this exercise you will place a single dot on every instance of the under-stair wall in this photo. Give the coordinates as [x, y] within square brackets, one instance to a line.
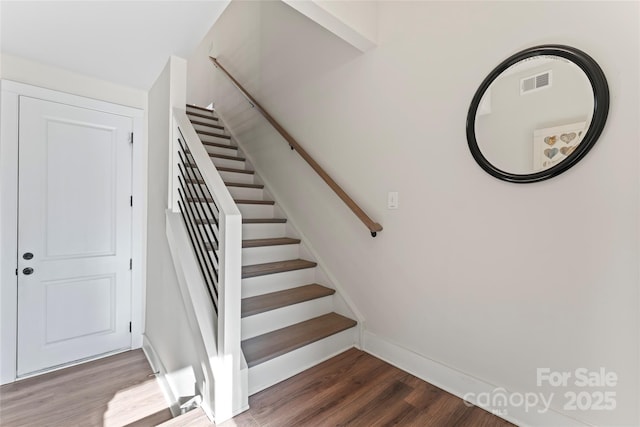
[167, 335]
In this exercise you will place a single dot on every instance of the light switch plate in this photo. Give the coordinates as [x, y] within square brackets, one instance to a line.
[392, 200]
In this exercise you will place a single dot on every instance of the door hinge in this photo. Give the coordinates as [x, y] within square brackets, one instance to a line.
[131, 138]
[16, 271]
[130, 263]
[129, 326]
[130, 200]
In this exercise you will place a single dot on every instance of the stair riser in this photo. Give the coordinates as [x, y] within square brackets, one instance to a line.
[204, 119]
[247, 211]
[286, 316]
[200, 190]
[191, 109]
[263, 231]
[210, 128]
[236, 192]
[244, 178]
[219, 150]
[201, 210]
[193, 171]
[209, 232]
[213, 258]
[226, 163]
[259, 285]
[217, 140]
[266, 254]
[246, 193]
[256, 211]
[241, 193]
[275, 370]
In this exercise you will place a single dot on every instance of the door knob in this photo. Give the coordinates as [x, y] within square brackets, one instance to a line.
[27, 255]
[27, 271]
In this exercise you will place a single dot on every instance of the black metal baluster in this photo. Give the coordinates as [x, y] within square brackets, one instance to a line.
[191, 177]
[193, 244]
[215, 215]
[195, 199]
[209, 271]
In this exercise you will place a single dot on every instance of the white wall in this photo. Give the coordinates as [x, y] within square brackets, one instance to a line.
[470, 271]
[362, 16]
[30, 72]
[167, 328]
[356, 22]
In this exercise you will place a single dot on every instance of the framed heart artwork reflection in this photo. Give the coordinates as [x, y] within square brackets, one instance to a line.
[554, 144]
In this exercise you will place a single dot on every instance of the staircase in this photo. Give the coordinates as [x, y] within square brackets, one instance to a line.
[289, 320]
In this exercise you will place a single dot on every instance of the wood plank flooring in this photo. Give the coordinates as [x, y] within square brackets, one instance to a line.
[357, 389]
[114, 391]
[351, 389]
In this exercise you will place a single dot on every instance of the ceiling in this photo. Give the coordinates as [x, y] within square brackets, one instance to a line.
[124, 42]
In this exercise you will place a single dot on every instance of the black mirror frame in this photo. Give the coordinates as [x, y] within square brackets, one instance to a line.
[600, 111]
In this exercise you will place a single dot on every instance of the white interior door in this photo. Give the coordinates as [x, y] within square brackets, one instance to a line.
[74, 291]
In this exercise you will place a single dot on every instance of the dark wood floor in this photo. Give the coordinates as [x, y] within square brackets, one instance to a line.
[357, 389]
[351, 389]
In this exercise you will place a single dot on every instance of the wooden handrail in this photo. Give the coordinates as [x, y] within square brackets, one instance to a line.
[373, 226]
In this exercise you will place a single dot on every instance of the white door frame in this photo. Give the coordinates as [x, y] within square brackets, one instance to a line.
[9, 110]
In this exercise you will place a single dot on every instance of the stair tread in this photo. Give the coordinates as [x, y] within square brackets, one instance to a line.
[264, 220]
[256, 270]
[238, 201]
[210, 125]
[254, 202]
[206, 116]
[199, 199]
[210, 246]
[223, 156]
[207, 221]
[199, 107]
[273, 344]
[241, 184]
[274, 241]
[219, 145]
[223, 169]
[274, 300]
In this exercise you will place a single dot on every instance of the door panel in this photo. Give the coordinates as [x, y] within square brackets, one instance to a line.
[95, 313]
[84, 157]
[75, 218]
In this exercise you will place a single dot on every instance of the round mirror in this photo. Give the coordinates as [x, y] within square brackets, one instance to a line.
[538, 113]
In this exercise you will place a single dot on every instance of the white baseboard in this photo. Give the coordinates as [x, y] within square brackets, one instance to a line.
[461, 384]
[161, 376]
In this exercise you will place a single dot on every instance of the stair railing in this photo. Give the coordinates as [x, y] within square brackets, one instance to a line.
[373, 226]
[201, 218]
[213, 224]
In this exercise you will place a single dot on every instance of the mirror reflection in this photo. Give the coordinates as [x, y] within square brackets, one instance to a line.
[534, 114]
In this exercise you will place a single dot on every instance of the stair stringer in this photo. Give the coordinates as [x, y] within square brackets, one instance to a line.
[343, 303]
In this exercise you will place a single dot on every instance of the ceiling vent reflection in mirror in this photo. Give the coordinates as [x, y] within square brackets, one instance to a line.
[534, 83]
